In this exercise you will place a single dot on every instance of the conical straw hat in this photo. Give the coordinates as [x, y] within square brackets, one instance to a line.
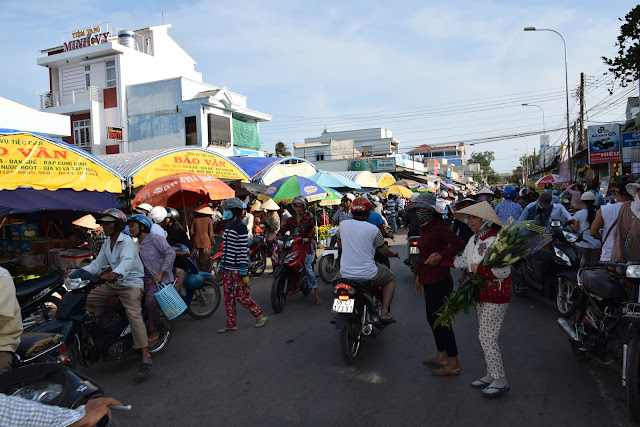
[204, 209]
[87, 221]
[486, 190]
[481, 210]
[256, 206]
[270, 205]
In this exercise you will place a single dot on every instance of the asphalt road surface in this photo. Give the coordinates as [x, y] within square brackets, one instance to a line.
[291, 371]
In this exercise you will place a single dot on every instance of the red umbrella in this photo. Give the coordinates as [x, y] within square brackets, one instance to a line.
[182, 189]
[548, 179]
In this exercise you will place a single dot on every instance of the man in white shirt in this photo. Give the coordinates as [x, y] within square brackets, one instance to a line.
[359, 240]
[10, 320]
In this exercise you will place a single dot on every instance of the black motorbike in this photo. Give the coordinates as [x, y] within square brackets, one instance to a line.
[52, 384]
[568, 260]
[39, 298]
[90, 338]
[414, 253]
[606, 323]
[357, 306]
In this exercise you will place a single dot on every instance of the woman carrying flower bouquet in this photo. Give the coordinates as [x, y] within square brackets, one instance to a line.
[436, 237]
[495, 292]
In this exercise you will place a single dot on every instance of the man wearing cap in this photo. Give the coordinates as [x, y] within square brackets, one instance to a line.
[202, 235]
[607, 220]
[344, 211]
[542, 211]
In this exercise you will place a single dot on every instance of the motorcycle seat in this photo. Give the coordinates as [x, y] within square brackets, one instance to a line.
[34, 286]
[602, 284]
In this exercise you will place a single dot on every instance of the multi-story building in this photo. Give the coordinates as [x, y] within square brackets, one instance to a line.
[376, 142]
[454, 154]
[139, 90]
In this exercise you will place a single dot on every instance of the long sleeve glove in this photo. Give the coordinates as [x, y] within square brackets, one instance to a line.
[243, 270]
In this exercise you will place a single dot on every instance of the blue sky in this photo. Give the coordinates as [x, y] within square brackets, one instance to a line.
[432, 72]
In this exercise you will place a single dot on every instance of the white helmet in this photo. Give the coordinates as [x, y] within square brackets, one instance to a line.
[444, 194]
[376, 199]
[144, 208]
[158, 214]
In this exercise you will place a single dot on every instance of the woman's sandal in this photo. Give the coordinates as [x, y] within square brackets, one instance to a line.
[144, 370]
[225, 330]
[261, 323]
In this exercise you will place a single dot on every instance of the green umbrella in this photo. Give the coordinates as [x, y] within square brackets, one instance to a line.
[285, 189]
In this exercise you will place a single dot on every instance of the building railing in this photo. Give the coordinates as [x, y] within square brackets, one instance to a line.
[56, 98]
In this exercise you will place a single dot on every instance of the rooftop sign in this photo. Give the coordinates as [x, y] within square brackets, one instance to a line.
[86, 37]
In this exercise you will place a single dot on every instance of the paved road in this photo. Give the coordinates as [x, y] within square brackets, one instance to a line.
[291, 371]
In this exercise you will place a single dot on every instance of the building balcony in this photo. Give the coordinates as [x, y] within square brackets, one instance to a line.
[74, 96]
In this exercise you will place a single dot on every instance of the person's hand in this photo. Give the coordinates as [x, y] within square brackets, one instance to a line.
[434, 259]
[418, 287]
[95, 410]
[474, 268]
[159, 277]
[305, 240]
[109, 277]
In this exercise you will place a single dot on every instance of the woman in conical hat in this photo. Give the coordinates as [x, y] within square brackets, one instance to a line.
[495, 293]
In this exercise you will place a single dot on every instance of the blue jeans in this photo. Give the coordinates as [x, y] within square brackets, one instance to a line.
[311, 275]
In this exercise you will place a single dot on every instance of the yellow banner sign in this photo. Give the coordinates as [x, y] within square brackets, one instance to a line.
[196, 161]
[30, 161]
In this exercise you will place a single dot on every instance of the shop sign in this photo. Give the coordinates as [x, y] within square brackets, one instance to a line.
[374, 165]
[242, 152]
[114, 133]
[604, 143]
[631, 147]
[86, 38]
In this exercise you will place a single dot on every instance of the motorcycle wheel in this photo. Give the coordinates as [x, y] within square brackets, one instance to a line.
[328, 268]
[633, 380]
[205, 300]
[260, 264]
[165, 330]
[213, 267]
[279, 292]
[351, 338]
[43, 313]
[566, 297]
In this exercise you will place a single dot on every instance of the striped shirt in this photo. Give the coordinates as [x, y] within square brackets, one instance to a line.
[235, 250]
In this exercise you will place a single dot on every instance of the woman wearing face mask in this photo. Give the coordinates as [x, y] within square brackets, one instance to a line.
[485, 195]
[494, 296]
[436, 241]
[626, 246]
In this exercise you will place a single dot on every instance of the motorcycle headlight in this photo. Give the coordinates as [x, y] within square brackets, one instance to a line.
[41, 392]
[562, 256]
[288, 244]
[570, 237]
[555, 223]
[633, 271]
[280, 243]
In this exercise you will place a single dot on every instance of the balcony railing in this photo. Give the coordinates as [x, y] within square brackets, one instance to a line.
[56, 98]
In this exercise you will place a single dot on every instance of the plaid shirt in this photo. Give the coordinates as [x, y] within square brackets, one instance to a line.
[95, 242]
[16, 411]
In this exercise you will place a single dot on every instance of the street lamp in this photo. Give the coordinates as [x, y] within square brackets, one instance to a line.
[544, 132]
[566, 83]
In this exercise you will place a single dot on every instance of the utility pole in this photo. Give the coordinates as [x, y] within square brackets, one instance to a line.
[581, 129]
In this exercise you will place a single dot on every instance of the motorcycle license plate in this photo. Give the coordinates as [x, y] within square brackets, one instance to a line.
[340, 306]
[413, 250]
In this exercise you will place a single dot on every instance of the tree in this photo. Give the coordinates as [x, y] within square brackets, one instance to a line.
[281, 150]
[626, 66]
[484, 159]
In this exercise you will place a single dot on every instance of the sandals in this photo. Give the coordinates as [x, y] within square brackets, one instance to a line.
[434, 362]
[495, 391]
[441, 372]
[144, 370]
[225, 330]
[261, 323]
[479, 384]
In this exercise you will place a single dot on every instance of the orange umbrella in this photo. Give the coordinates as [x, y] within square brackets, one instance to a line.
[183, 189]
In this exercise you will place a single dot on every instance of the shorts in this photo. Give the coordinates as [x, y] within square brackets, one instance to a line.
[382, 277]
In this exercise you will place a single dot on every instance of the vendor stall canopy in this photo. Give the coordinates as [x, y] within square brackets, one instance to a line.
[43, 163]
[266, 170]
[143, 167]
[384, 179]
[364, 178]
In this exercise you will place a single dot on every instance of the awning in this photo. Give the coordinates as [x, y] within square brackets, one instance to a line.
[44, 163]
[30, 201]
[265, 170]
[364, 178]
[143, 167]
[384, 179]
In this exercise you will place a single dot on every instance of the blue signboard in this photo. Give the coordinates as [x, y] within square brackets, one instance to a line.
[631, 147]
[242, 152]
[604, 143]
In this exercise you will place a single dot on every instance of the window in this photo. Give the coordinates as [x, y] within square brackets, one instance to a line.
[87, 76]
[319, 157]
[111, 73]
[82, 133]
[191, 130]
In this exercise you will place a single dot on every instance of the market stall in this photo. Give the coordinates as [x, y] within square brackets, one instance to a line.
[364, 178]
[384, 179]
[266, 170]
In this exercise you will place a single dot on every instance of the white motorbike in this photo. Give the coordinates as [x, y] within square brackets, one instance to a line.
[329, 264]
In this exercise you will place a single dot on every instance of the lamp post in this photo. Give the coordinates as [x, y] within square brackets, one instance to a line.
[566, 83]
[544, 132]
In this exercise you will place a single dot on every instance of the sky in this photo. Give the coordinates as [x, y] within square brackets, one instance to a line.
[434, 72]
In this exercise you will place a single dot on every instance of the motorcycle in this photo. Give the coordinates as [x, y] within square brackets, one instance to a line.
[568, 259]
[606, 324]
[89, 338]
[357, 306]
[329, 263]
[289, 276]
[200, 291]
[55, 385]
[38, 300]
[414, 253]
[258, 253]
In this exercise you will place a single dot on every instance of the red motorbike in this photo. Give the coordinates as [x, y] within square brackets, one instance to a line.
[257, 254]
[289, 276]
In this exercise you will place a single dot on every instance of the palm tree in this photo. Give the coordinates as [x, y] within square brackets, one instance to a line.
[281, 150]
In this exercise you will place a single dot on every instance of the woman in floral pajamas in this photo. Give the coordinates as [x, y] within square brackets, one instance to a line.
[235, 258]
[494, 296]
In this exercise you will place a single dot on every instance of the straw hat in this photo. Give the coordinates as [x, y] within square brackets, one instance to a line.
[204, 210]
[481, 210]
[485, 190]
[87, 221]
[426, 201]
[633, 187]
[256, 206]
[270, 205]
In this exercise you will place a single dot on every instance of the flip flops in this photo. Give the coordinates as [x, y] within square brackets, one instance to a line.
[261, 323]
[225, 330]
[494, 391]
[144, 370]
[479, 384]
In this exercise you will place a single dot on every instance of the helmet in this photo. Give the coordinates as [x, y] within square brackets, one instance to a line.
[361, 206]
[376, 199]
[349, 196]
[443, 194]
[300, 199]
[158, 214]
[244, 205]
[114, 215]
[172, 214]
[524, 192]
[510, 192]
[146, 222]
[588, 195]
[143, 208]
[193, 282]
[232, 203]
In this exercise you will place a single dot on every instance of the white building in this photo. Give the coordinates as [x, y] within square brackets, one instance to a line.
[139, 90]
[368, 142]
